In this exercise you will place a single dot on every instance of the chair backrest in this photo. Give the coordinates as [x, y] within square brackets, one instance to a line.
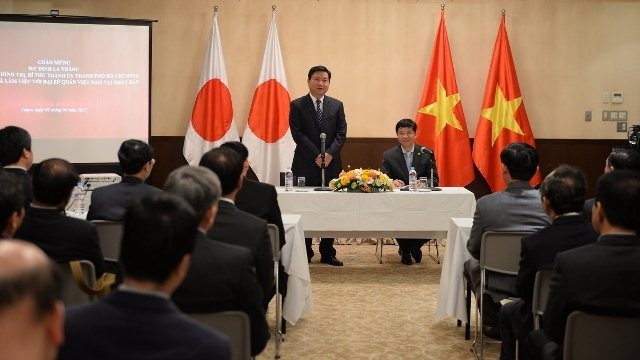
[274, 236]
[540, 295]
[590, 337]
[110, 237]
[72, 292]
[234, 324]
[500, 260]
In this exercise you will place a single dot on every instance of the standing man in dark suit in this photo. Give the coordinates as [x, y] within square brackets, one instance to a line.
[11, 204]
[110, 202]
[598, 278]
[139, 320]
[310, 116]
[221, 276]
[396, 163]
[234, 226]
[562, 193]
[61, 237]
[16, 156]
[516, 208]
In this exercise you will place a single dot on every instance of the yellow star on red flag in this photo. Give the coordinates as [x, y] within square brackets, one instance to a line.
[502, 115]
[442, 109]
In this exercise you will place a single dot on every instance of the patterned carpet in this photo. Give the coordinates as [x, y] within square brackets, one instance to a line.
[367, 310]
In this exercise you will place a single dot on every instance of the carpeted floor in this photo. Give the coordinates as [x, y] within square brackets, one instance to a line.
[367, 310]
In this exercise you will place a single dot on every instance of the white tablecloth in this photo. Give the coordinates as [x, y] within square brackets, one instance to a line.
[388, 214]
[451, 299]
[299, 299]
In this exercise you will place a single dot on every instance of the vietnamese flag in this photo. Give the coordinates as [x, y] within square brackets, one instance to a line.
[440, 119]
[503, 118]
[267, 135]
[212, 120]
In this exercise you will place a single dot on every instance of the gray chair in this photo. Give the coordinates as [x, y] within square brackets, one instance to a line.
[274, 236]
[591, 337]
[80, 283]
[110, 237]
[499, 257]
[234, 324]
[540, 295]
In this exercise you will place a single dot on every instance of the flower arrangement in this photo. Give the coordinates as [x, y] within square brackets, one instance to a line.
[361, 180]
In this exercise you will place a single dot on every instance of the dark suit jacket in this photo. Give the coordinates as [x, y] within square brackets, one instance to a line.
[306, 133]
[26, 183]
[222, 278]
[261, 199]
[110, 202]
[394, 165]
[236, 227]
[598, 278]
[539, 250]
[127, 325]
[61, 237]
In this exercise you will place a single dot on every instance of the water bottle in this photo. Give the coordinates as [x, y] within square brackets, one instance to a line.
[288, 180]
[413, 178]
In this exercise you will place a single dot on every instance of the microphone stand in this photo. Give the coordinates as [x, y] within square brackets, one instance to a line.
[322, 165]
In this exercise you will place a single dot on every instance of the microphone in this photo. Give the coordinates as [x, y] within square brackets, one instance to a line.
[323, 136]
[424, 150]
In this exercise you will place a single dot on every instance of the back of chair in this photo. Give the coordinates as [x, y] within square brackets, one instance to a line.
[110, 236]
[500, 257]
[590, 337]
[234, 324]
[274, 236]
[75, 281]
[540, 295]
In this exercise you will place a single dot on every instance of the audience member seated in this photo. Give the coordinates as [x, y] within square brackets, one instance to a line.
[260, 199]
[234, 226]
[562, 192]
[620, 158]
[31, 309]
[396, 163]
[516, 208]
[597, 278]
[221, 276]
[110, 202]
[46, 225]
[139, 320]
[16, 156]
[11, 204]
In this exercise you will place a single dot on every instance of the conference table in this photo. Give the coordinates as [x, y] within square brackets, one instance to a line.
[404, 214]
[451, 298]
[299, 299]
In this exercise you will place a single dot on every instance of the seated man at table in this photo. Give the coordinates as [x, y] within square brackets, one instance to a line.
[45, 224]
[110, 202]
[562, 193]
[234, 226]
[516, 208]
[139, 321]
[597, 278]
[221, 276]
[260, 199]
[396, 163]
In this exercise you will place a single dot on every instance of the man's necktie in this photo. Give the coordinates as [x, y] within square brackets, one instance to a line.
[407, 159]
[319, 114]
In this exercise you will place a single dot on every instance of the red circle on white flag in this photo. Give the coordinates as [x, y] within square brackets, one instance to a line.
[212, 112]
[269, 114]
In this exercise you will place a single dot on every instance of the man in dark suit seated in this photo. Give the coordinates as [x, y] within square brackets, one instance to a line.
[260, 199]
[598, 278]
[11, 204]
[396, 163]
[618, 159]
[61, 237]
[221, 276]
[110, 202]
[31, 309]
[234, 226]
[516, 208]
[562, 192]
[16, 156]
[139, 320]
